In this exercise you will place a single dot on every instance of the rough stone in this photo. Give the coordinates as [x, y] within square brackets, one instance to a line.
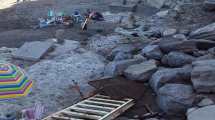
[122, 56]
[180, 37]
[168, 75]
[142, 71]
[169, 32]
[152, 52]
[177, 45]
[104, 44]
[207, 113]
[209, 5]
[162, 14]
[202, 76]
[177, 59]
[205, 102]
[33, 51]
[115, 68]
[66, 47]
[175, 98]
[207, 32]
[156, 3]
[129, 7]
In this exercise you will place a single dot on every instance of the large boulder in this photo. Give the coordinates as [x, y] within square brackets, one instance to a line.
[168, 75]
[209, 5]
[203, 75]
[207, 32]
[175, 98]
[205, 113]
[142, 71]
[117, 67]
[177, 45]
[177, 59]
[152, 52]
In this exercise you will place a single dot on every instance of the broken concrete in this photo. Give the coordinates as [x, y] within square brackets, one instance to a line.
[33, 51]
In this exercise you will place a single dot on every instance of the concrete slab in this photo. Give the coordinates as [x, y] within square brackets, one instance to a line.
[33, 51]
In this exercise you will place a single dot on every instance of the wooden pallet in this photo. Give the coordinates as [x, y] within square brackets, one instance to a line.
[98, 107]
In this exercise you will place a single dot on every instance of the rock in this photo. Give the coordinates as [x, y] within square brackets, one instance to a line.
[203, 76]
[116, 6]
[212, 51]
[168, 75]
[169, 32]
[115, 68]
[162, 14]
[205, 102]
[209, 5]
[122, 56]
[177, 45]
[130, 23]
[206, 57]
[6, 54]
[59, 34]
[177, 59]
[156, 3]
[33, 51]
[207, 113]
[180, 37]
[104, 44]
[175, 98]
[152, 52]
[207, 32]
[125, 48]
[142, 71]
[139, 56]
[66, 47]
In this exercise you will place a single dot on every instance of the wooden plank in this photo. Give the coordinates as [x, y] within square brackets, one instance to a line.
[108, 100]
[115, 113]
[88, 111]
[95, 107]
[81, 115]
[102, 103]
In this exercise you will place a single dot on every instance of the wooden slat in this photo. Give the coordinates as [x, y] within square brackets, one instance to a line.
[95, 107]
[81, 115]
[101, 103]
[108, 100]
[115, 113]
[98, 107]
[88, 111]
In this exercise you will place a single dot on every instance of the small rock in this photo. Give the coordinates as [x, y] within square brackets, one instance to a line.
[175, 98]
[169, 32]
[162, 14]
[156, 3]
[142, 71]
[180, 37]
[152, 52]
[122, 56]
[177, 59]
[207, 113]
[206, 102]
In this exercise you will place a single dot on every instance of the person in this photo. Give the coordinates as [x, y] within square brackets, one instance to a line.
[96, 16]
